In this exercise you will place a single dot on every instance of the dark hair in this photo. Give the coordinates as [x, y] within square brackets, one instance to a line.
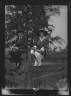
[40, 31]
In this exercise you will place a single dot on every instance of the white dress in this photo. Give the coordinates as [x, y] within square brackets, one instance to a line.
[37, 54]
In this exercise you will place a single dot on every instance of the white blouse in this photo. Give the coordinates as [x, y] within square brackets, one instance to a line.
[42, 38]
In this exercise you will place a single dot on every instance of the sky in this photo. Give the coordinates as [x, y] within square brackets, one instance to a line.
[60, 23]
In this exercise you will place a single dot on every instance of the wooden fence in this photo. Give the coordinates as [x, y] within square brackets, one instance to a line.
[28, 76]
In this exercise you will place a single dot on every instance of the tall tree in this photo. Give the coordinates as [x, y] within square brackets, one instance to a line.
[28, 19]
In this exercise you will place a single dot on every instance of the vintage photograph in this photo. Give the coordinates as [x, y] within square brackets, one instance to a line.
[36, 47]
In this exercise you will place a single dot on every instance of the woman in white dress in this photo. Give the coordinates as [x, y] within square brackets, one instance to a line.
[39, 48]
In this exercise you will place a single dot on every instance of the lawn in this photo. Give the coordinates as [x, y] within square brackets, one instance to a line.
[45, 76]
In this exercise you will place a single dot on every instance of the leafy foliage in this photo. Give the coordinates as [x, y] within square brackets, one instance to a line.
[27, 19]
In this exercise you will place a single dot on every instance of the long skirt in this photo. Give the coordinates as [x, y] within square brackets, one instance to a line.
[38, 57]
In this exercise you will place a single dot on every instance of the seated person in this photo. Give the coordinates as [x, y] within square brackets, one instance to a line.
[39, 47]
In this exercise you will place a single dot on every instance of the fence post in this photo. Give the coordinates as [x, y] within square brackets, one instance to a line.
[29, 71]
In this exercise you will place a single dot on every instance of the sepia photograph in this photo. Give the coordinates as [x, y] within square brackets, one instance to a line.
[36, 47]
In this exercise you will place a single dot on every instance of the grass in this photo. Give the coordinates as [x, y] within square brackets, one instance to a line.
[45, 83]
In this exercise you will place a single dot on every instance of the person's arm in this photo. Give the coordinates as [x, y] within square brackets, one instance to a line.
[46, 42]
[35, 43]
[45, 45]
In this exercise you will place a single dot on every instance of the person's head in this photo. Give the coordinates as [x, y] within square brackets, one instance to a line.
[42, 33]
